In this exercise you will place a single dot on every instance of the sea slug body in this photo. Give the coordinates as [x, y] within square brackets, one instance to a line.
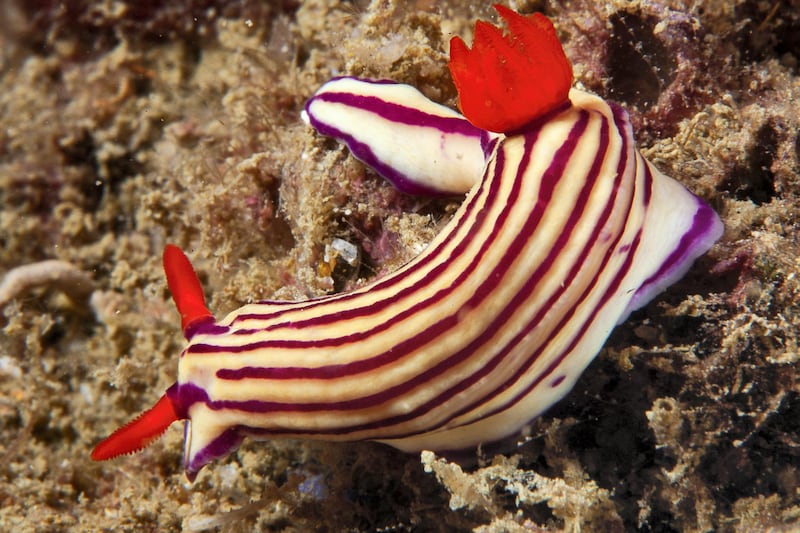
[564, 230]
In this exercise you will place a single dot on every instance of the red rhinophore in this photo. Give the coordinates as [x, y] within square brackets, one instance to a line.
[185, 287]
[506, 81]
[139, 433]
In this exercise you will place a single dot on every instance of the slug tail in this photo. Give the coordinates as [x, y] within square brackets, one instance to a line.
[186, 289]
[139, 433]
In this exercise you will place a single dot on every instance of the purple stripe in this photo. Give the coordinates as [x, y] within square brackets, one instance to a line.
[690, 246]
[205, 326]
[184, 396]
[225, 443]
[401, 115]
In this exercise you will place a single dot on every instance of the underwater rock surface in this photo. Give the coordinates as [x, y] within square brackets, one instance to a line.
[126, 125]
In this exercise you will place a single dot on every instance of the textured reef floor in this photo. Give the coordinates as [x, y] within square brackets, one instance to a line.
[124, 126]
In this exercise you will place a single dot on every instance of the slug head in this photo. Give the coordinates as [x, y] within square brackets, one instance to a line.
[508, 80]
[150, 425]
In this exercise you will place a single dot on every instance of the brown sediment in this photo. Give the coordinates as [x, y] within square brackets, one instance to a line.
[125, 127]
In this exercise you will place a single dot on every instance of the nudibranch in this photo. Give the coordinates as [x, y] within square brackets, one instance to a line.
[564, 230]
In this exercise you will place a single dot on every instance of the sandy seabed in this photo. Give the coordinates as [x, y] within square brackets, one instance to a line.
[126, 126]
